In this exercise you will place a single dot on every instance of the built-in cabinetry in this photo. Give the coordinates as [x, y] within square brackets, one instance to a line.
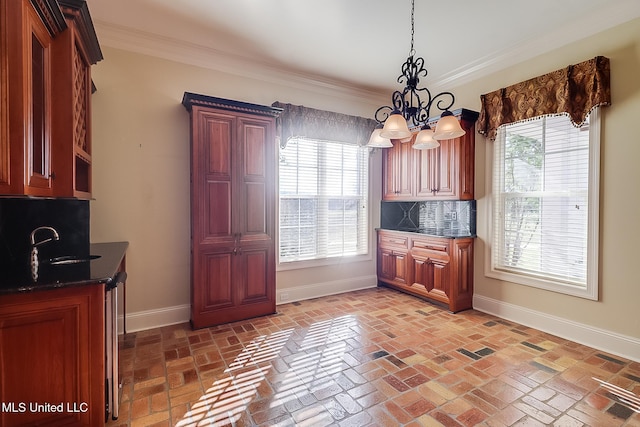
[443, 173]
[47, 49]
[232, 209]
[436, 268]
[53, 349]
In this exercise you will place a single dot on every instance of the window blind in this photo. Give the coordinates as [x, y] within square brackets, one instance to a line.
[541, 199]
[323, 190]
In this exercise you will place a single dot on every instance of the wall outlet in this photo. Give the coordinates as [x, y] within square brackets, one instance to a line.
[284, 296]
[454, 215]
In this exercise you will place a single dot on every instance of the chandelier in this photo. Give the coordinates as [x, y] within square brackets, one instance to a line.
[411, 107]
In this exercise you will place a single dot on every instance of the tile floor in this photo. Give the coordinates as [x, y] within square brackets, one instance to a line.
[372, 357]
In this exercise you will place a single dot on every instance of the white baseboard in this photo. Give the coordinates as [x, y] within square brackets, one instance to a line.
[610, 342]
[316, 290]
[148, 319]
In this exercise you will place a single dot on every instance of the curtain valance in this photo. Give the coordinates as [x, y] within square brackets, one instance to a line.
[574, 90]
[300, 121]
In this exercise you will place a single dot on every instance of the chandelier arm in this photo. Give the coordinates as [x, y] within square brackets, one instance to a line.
[441, 104]
[382, 114]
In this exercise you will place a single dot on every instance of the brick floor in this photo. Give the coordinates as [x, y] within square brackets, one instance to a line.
[371, 357]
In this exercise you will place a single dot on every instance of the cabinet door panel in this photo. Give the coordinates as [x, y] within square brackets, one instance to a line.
[215, 144]
[255, 214]
[386, 264]
[254, 287]
[54, 340]
[447, 172]
[425, 165]
[39, 100]
[216, 291]
[398, 171]
[431, 274]
[257, 201]
[400, 270]
[216, 211]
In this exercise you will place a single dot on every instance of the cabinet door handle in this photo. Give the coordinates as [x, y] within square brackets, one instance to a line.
[235, 251]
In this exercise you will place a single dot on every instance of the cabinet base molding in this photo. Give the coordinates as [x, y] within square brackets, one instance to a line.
[601, 339]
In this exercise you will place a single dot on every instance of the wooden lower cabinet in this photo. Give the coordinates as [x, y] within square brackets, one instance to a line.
[436, 268]
[53, 353]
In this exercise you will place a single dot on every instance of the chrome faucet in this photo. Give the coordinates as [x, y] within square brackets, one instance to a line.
[34, 248]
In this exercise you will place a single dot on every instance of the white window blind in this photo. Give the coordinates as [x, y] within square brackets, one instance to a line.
[543, 215]
[323, 189]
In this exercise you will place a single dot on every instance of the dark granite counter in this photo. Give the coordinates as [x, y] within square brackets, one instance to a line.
[98, 270]
[432, 232]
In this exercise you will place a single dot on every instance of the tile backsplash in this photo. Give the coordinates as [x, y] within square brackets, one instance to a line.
[19, 216]
[455, 218]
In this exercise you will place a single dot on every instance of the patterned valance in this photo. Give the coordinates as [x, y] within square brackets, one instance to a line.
[300, 121]
[574, 90]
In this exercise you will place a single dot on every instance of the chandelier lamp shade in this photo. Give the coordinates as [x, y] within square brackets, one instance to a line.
[411, 107]
[376, 141]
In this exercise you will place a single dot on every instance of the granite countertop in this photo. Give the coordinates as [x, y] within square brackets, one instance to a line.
[433, 232]
[98, 270]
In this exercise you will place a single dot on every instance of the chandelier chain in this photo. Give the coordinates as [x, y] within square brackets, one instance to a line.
[414, 103]
[412, 51]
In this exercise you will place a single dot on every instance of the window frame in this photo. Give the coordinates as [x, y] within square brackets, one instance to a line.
[326, 261]
[591, 288]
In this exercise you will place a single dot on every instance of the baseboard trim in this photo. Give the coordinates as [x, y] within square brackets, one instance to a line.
[601, 339]
[148, 319]
[317, 290]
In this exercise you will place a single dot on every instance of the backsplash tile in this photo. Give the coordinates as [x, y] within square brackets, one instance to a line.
[19, 216]
[455, 218]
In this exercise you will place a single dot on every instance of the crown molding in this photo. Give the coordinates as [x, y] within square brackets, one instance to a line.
[517, 53]
[172, 49]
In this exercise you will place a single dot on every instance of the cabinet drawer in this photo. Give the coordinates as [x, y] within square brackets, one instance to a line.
[396, 241]
[432, 245]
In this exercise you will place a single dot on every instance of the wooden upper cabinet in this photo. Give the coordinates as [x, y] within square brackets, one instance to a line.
[74, 50]
[398, 171]
[443, 173]
[47, 47]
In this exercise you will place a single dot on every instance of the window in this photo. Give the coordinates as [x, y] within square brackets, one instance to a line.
[545, 205]
[323, 200]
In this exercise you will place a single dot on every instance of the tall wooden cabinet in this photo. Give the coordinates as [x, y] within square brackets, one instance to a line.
[46, 51]
[232, 209]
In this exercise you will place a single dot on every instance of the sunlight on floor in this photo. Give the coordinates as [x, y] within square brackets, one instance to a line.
[225, 401]
[317, 358]
[625, 397]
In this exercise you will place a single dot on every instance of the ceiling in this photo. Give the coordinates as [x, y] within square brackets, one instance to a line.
[360, 44]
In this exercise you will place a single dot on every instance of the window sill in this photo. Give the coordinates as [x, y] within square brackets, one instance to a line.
[587, 292]
[312, 263]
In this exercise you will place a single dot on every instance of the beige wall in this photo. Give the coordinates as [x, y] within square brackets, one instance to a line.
[141, 176]
[141, 171]
[618, 307]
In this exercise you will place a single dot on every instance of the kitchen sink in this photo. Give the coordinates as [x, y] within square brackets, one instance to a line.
[71, 259]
